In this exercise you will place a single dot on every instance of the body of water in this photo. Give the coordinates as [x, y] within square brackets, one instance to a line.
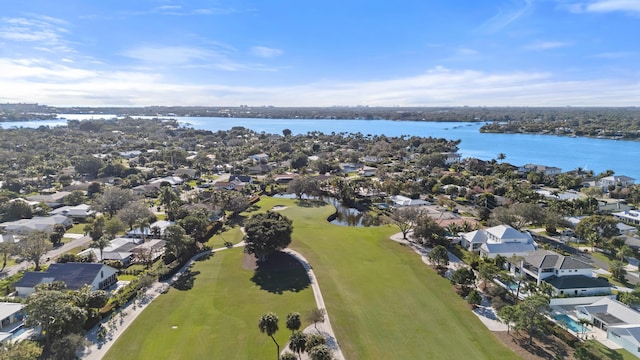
[569, 323]
[566, 153]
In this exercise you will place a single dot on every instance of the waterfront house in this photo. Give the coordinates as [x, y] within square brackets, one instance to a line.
[615, 180]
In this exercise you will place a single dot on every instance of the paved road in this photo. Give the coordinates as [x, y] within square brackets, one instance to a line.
[48, 257]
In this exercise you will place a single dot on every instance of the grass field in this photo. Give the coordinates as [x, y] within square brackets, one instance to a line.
[384, 303]
[216, 319]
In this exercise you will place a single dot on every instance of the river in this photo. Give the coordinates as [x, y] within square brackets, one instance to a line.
[564, 152]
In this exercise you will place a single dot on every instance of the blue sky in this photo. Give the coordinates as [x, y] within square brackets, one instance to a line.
[321, 53]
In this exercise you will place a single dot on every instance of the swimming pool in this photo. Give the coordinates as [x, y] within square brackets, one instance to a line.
[569, 323]
[18, 331]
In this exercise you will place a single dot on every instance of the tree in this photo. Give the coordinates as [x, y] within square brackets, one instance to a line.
[474, 298]
[299, 160]
[101, 243]
[112, 227]
[518, 215]
[6, 249]
[23, 350]
[88, 165]
[75, 198]
[195, 225]
[529, 314]
[320, 352]
[65, 348]
[268, 324]
[623, 252]
[405, 218]
[113, 199]
[16, 210]
[286, 132]
[584, 323]
[486, 272]
[463, 277]
[617, 270]
[33, 246]
[178, 242]
[288, 356]
[266, 233]
[294, 321]
[298, 342]
[54, 312]
[428, 231]
[133, 212]
[501, 156]
[439, 256]
[507, 315]
[56, 236]
[316, 316]
[315, 340]
[597, 228]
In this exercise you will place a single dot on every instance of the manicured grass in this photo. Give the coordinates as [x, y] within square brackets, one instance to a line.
[384, 303]
[606, 353]
[77, 229]
[216, 319]
[233, 235]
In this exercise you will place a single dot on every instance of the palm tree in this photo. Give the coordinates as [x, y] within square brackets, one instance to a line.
[502, 156]
[298, 342]
[101, 243]
[268, 324]
[624, 251]
[142, 225]
[293, 321]
[584, 323]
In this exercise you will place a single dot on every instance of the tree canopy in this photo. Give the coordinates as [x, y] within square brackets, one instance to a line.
[266, 233]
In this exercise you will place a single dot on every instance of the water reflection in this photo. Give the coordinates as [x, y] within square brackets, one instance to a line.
[344, 215]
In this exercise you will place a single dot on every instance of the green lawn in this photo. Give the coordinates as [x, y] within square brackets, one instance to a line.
[233, 235]
[384, 303]
[216, 319]
[77, 228]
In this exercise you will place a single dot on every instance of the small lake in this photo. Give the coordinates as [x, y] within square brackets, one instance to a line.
[344, 215]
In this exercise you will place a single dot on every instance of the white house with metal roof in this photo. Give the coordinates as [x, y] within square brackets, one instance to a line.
[499, 240]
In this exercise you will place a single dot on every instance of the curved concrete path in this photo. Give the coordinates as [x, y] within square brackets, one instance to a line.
[325, 327]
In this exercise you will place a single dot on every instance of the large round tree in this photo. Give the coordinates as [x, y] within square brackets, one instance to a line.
[266, 233]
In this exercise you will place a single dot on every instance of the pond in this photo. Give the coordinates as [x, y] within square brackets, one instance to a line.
[344, 215]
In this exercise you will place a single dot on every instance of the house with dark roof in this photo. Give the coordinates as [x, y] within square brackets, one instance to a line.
[568, 275]
[74, 275]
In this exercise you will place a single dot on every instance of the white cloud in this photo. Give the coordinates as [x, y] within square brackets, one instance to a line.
[506, 16]
[265, 52]
[70, 84]
[605, 6]
[43, 31]
[545, 45]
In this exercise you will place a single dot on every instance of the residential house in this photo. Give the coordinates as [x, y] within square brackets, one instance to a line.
[349, 167]
[499, 240]
[625, 229]
[621, 322]
[74, 275]
[52, 200]
[284, 179]
[173, 180]
[545, 170]
[78, 212]
[367, 171]
[399, 200]
[371, 159]
[11, 317]
[42, 223]
[259, 157]
[451, 158]
[259, 169]
[628, 216]
[157, 228]
[186, 173]
[241, 179]
[147, 189]
[615, 180]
